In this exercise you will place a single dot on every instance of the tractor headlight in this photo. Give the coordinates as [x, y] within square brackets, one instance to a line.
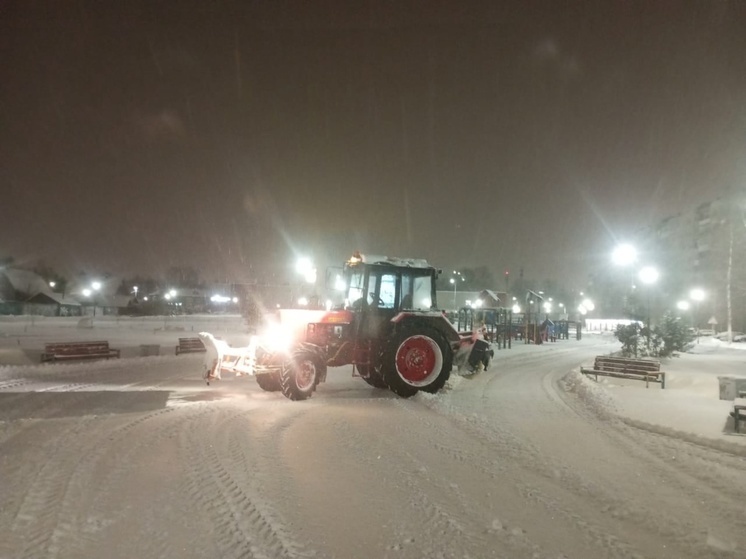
[274, 338]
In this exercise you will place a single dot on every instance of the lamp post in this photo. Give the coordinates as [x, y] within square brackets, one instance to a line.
[454, 282]
[649, 275]
[95, 287]
[625, 255]
[305, 267]
[697, 295]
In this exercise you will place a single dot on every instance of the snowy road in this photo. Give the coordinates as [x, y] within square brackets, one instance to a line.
[137, 458]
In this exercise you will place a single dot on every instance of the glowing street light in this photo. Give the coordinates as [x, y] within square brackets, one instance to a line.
[454, 282]
[624, 255]
[305, 268]
[683, 305]
[649, 275]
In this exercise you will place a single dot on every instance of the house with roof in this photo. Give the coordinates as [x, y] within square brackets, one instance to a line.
[26, 292]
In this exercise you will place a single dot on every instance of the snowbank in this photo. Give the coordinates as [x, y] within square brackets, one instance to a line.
[689, 408]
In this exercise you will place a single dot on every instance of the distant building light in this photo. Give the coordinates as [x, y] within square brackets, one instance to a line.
[219, 299]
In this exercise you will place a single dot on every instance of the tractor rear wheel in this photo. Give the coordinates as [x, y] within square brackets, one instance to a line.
[299, 376]
[418, 359]
[269, 382]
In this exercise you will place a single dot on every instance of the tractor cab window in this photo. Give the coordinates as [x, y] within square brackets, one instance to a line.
[381, 290]
[422, 292]
[415, 292]
[357, 287]
[387, 292]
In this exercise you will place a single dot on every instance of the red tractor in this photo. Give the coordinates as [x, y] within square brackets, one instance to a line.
[389, 328]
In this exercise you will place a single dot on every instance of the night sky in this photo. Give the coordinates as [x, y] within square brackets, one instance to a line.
[232, 136]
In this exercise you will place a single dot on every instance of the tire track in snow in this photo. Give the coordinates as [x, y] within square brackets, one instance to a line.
[560, 476]
[518, 538]
[246, 527]
[58, 485]
[437, 526]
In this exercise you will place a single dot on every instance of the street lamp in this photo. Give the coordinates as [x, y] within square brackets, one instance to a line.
[454, 282]
[697, 295]
[96, 287]
[624, 255]
[649, 275]
[305, 268]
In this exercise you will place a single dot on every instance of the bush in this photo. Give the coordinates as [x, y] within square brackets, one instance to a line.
[673, 334]
[663, 341]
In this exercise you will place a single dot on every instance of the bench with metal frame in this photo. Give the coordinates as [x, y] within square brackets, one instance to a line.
[190, 345]
[65, 351]
[739, 411]
[625, 367]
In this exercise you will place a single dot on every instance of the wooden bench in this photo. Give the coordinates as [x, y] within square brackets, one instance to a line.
[623, 367]
[64, 351]
[190, 345]
[739, 412]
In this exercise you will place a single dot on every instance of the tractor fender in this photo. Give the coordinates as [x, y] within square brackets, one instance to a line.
[435, 319]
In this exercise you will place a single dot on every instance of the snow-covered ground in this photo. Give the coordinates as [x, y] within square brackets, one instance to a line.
[136, 457]
[689, 405]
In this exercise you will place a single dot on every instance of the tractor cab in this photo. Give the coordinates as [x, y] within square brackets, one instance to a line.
[379, 288]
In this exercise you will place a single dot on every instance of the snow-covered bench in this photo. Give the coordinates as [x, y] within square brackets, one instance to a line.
[190, 345]
[625, 367]
[64, 351]
[739, 412]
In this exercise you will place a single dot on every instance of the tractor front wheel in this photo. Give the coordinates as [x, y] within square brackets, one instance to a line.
[299, 376]
[269, 382]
